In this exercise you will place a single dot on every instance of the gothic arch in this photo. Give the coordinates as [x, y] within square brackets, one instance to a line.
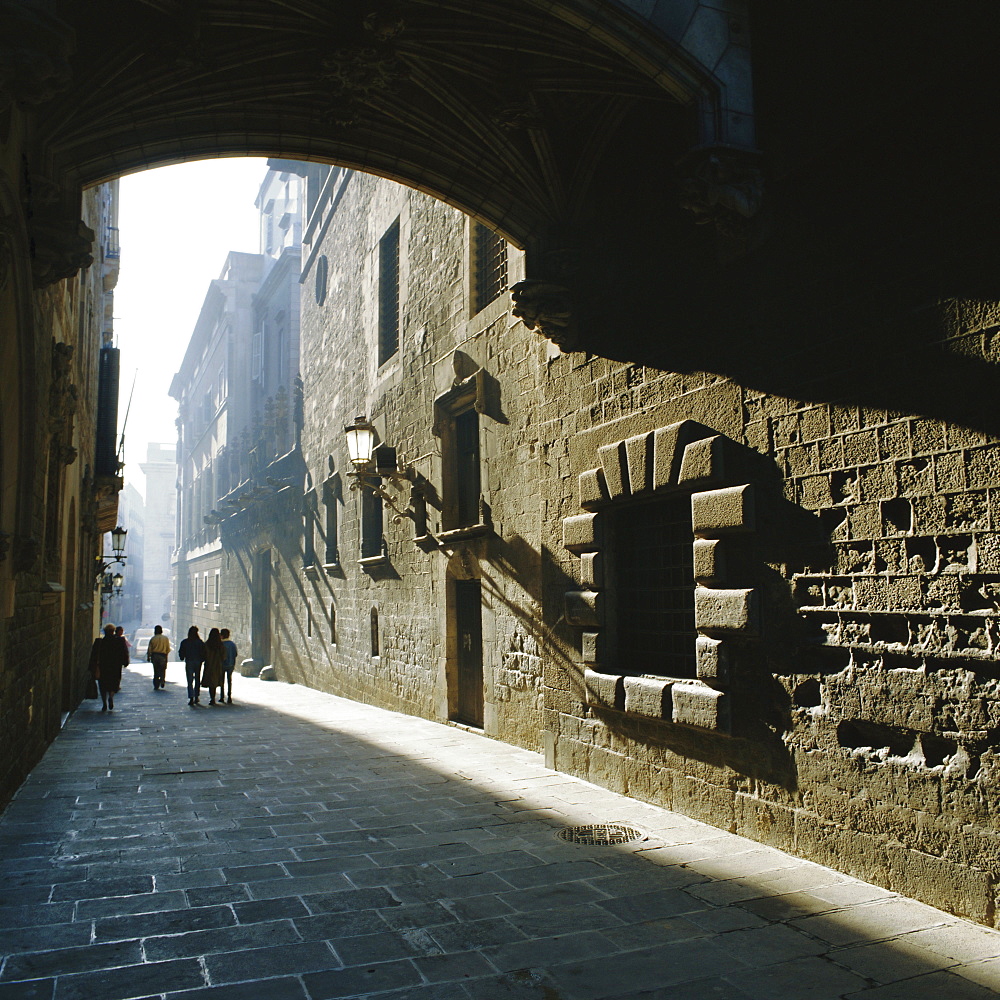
[503, 108]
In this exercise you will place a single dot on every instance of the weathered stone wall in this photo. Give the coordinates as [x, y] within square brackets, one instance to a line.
[441, 345]
[862, 706]
[842, 702]
[48, 535]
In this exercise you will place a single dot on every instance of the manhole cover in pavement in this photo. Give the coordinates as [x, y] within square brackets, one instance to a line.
[601, 834]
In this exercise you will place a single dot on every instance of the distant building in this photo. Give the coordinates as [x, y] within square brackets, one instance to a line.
[237, 388]
[125, 608]
[160, 470]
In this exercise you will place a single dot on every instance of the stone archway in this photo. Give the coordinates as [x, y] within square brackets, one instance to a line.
[559, 124]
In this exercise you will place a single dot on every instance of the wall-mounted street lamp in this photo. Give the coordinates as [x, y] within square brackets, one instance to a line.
[373, 464]
[118, 542]
[103, 568]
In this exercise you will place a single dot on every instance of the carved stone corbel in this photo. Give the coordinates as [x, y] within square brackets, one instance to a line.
[62, 393]
[546, 307]
[5, 540]
[59, 248]
[723, 188]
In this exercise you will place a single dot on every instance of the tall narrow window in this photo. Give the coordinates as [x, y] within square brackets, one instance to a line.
[371, 525]
[309, 619]
[467, 483]
[490, 266]
[333, 624]
[257, 353]
[331, 494]
[309, 529]
[218, 587]
[388, 294]
[374, 627]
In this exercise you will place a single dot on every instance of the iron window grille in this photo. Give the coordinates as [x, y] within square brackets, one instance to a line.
[490, 266]
[653, 547]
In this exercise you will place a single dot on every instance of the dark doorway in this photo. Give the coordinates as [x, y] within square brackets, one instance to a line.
[469, 658]
[260, 612]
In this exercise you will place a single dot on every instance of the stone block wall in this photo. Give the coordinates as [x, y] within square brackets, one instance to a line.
[863, 713]
[442, 346]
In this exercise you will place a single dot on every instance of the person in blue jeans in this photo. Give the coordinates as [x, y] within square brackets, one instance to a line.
[228, 663]
[192, 652]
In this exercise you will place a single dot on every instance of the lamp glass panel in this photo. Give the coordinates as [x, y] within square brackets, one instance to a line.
[360, 444]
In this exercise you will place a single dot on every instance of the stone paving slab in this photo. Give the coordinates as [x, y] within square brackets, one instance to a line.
[298, 846]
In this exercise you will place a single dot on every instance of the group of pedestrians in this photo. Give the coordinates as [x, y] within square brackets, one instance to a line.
[108, 657]
[207, 664]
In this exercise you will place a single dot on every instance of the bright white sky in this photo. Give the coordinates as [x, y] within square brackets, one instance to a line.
[176, 225]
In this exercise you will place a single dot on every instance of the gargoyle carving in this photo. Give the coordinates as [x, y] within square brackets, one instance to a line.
[59, 248]
[546, 307]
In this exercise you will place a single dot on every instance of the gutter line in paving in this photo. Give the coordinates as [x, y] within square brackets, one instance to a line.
[299, 846]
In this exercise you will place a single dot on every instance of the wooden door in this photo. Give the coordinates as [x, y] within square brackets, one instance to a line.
[469, 659]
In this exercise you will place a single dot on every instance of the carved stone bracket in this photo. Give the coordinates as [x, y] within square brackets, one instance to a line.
[5, 540]
[723, 188]
[62, 392]
[34, 54]
[546, 307]
[59, 248]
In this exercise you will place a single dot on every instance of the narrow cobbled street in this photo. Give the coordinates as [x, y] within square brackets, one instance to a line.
[297, 845]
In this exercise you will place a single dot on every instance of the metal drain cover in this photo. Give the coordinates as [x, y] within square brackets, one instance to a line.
[601, 834]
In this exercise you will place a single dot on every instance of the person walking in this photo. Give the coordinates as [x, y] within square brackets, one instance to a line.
[192, 652]
[108, 656]
[215, 655]
[229, 663]
[157, 652]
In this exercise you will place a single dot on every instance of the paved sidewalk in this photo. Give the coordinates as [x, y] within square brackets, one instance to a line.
[336, 850]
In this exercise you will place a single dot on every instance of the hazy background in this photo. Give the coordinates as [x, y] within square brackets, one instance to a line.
[176, 225]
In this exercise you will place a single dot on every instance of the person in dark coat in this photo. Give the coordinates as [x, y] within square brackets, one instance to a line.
[107, 658]
[215, 655]
[192, 652]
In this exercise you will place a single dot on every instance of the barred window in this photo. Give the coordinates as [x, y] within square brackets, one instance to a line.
[653, 547]
[490, 266]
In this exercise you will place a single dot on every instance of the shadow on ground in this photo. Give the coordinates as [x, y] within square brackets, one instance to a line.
[296, 845]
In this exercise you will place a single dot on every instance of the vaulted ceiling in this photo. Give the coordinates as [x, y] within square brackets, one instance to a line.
[505, 108]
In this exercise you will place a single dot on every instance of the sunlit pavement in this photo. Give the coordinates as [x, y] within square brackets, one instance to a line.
[297, 845]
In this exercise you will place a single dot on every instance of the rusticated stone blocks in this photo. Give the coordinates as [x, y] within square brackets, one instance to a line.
[604, 690]
[699, 705]
[581, 533]
[725, 610]
[584, 607]
[648, 696]
[721, 511]
[713, 661]
[709, 560]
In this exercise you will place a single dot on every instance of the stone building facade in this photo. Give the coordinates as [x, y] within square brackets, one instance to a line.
[125, 608]
[58, 456]
[160, 472]
[237, 445]
[778, 617]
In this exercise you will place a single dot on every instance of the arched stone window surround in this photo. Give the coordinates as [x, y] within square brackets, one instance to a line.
[681, 456]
